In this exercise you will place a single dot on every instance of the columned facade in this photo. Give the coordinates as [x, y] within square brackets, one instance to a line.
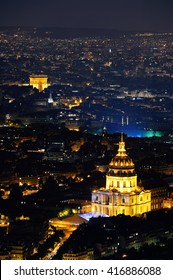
[121, 195]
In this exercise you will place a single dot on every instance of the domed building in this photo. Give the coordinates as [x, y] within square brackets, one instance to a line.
[121, 195]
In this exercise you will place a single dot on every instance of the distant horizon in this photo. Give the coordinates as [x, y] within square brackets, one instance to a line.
[86, 28]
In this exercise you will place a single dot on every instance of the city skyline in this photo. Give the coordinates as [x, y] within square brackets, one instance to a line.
[121, 15]
[85, 131]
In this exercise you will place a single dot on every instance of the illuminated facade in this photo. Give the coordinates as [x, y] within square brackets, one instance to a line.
[85, 255]
[168, 203]
[121, 195]
[38, 81]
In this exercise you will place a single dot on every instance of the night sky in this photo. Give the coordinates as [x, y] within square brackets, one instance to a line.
[144, 15]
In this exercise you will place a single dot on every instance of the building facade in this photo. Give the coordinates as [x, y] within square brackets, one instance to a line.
[121, 195]
[38, 81]
[84, 255]
[158, 196]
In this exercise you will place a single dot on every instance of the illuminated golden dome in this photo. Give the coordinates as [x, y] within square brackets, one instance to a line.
[121, 162]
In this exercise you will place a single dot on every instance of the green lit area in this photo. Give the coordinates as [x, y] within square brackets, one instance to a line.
[153, 133]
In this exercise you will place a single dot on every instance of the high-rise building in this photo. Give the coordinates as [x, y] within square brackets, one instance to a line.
[38, 81]
[121, 195]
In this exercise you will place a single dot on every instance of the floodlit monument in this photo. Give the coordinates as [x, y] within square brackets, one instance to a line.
[121, 195]
[38, 81]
